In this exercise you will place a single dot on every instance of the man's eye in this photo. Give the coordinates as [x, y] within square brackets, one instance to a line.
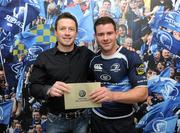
[62, 29]
[71, 29]
[100, 34]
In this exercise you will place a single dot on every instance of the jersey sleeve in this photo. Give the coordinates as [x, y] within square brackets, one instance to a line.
[136, 72]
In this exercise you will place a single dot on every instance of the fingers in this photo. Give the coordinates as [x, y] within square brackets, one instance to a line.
[58, 89]
[101, 95]
[62, 86]
[96, 96]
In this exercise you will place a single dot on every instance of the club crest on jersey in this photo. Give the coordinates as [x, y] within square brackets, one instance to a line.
[140, 70]
[115, 67]
[98, 67]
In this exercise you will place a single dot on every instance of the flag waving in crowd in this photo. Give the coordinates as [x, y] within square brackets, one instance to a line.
[26, 30]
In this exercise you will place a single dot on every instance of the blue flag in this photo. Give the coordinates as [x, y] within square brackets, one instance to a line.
[85, 22]
[4, 2]
[167, 41]
[34, 51]
[161, 110]
[85, 31]
[75, 11]
[161, 125]
[20, 83]
[166, 72]
[44, 34]
[158, 16]
[16, 15]
[26, 38]
[171, 20]
[5, 112]
[167, 87]
[6, 42]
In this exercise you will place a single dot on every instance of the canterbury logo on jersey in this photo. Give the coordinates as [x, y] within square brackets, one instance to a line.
[98, 67]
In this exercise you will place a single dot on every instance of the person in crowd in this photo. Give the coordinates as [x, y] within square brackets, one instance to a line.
[135, 20]
[2, 81]
[18, 128]
[160, 66]
[36, 117]
[2, 94]
[106, 8]
[123, 7]
[145, 32]
[38, 128]
[54, 68]
[122, 34]
[128, 42]
[122, 76]
[52, 11]
[167, 57]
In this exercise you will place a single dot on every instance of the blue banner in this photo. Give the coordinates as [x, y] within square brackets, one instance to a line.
[17, 15]
[161, 110]
[166, 40]
[5, 112]
[171, 20]
[161, 125]
[85, 22]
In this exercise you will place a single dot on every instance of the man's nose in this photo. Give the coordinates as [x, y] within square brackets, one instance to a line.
[105, 37]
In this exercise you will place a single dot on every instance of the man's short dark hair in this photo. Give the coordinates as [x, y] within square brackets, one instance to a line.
[103, 21]
[107, 1]
[66, 15]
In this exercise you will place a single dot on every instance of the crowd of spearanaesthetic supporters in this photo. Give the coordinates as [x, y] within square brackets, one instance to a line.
[134, 30]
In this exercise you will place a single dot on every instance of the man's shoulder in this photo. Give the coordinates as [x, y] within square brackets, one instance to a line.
[84, 49]
[47, 52]
[127, 52]
[130, 55]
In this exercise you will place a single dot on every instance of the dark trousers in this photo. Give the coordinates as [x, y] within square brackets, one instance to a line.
[101, 125]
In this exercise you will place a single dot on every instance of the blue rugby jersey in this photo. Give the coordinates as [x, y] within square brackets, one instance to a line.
[121, 71]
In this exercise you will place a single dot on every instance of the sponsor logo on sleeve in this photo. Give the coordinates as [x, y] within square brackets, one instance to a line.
[140, 70]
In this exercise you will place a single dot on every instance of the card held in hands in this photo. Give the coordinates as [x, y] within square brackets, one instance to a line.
[79, 95]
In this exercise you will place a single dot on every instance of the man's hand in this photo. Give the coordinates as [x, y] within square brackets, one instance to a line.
[58, 89]
[101, 94]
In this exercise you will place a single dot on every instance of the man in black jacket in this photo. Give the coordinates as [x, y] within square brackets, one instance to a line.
[65, 63]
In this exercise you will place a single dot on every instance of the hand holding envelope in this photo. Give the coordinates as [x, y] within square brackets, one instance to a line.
[79, 95]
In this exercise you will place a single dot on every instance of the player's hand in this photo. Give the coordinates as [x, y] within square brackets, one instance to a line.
[101, 94]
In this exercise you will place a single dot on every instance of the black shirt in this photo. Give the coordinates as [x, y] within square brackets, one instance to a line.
[53, 65]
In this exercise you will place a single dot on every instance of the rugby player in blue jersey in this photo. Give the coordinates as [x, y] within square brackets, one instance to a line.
[122, 76]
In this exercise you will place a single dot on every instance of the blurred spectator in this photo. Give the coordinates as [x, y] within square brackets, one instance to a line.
[151, 73]
[2, 81]
[135, 18]
[105, 8]
[11, 129]
[18, 128]
[167, 57]
[172, 72]
[123, 7]
[84, 4]
[31, 130]
[38, 128]
[160, 66]
[145, 32]
[128, 42]
[122, 34]
[36, 117]
[52, 11]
